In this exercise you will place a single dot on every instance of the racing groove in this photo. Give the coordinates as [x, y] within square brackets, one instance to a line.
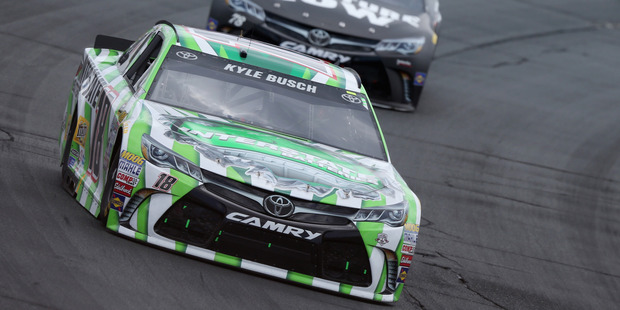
[513, 153]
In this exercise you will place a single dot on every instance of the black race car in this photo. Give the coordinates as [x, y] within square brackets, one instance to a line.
[390, 43]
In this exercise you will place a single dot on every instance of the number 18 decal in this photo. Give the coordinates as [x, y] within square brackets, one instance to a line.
[164, 182]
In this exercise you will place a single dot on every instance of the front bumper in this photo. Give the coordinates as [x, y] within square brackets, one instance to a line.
[222, 221]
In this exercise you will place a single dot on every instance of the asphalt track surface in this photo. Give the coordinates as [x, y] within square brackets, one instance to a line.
[513, 151]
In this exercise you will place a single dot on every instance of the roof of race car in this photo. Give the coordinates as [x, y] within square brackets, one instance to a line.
[265, 55]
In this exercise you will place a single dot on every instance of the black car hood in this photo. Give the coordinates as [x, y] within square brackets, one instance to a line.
[379, 20]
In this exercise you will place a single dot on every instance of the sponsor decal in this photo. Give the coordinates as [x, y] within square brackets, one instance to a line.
[402, 274]
[123, 189]
[85, 73]
[404, 63]
[288, 153]
[212, 24]
[237, 20]
[419, 79]
[132, 158]
[82, 131]
[71, 161]
[272, 226]
[382, 239]
[88, 90]
[76, 158]
[130, 164]
[412, 227]
[285, 81]
[82, 157]
[410, 237]
[121, 114]
[407, 249]
[127, 179]
[375, 14]
[117, 202]
[406, 260]
[315, 51]
[164, 182]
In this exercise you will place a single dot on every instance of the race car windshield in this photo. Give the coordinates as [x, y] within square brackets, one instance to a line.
[270, 100]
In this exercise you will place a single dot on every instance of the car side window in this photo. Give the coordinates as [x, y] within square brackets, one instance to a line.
[131, 54]
[144, 59]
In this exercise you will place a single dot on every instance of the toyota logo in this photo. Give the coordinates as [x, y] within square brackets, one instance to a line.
[351, 98]
[278, 206]
[319, 37]
[186, 55]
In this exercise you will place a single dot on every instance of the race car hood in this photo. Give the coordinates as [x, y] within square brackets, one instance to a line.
[379, 20]
[275, 162]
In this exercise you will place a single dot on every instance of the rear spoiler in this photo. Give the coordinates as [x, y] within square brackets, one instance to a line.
[112, 43]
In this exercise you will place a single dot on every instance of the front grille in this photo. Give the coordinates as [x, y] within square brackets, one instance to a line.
[345, 258]
[266, 247]
[298, 32]
[190, 221]
[199, 218]
[285, 26]
[319, 219]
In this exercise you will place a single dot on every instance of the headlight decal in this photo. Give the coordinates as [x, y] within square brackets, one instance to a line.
[407, 46]
[393, 215]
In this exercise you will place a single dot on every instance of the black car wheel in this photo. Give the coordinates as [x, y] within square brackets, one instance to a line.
[106, 198]
[69, 181]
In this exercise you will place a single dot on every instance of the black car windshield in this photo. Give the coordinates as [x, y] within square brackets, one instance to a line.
[270, 100]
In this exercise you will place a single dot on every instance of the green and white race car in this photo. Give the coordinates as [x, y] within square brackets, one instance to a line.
[241, 153]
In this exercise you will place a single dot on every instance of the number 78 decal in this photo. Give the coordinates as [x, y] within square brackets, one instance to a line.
[164, 182]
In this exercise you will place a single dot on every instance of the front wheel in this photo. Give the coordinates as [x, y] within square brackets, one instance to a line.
[69, 181]
[106, 198]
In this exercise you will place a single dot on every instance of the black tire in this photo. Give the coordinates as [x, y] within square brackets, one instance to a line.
[104, 208]
[69, 180]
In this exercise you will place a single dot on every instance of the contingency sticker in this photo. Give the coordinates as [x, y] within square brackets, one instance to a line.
[80, 133]
[406, 260]
[402, 274]
[127, 179]
[407, 249]
[123, 189]
[212, 24]
[130, 164]
[410, 237]
[117, 202]
[419, 79]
